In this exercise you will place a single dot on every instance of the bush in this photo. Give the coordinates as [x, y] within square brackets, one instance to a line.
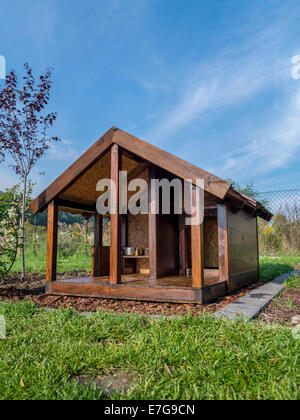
[9, 233]
[282, 235]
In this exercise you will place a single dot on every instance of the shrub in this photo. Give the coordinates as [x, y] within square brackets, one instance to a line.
[9, 233]
[282, 235]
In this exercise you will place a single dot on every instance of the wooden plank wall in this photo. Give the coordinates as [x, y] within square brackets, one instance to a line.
[222, 219]
[167, 245]
[210, 234]
[210, 248]
[138, 236]
[98, 236]
[163, 237]
[242, 243]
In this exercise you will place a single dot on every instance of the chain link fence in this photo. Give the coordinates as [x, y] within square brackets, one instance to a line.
[281, 202]
[282, 234]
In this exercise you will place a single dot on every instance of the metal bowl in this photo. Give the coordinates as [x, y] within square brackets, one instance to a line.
[129, 251]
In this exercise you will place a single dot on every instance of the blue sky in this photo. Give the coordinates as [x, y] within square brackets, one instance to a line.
[209, 80]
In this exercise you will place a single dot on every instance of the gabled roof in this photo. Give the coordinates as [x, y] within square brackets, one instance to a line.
[213, 185]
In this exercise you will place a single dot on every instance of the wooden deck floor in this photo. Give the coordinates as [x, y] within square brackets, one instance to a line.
[211, 276]
[140, 287]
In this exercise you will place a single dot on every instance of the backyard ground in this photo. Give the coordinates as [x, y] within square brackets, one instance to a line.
[65, 355]
[286, 306]
[13, 288]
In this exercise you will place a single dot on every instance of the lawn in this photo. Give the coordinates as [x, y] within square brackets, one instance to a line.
[269, 267]
[207, 359]
[44, 351]
[79, 261]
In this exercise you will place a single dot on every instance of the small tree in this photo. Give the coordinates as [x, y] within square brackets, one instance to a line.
[16, 196]
[23, 128]
[9, 232]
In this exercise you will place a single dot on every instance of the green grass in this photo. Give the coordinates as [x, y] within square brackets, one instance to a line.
[272, 267]
[37, 263]
[292, 283]
[208, 359]
[269, 267]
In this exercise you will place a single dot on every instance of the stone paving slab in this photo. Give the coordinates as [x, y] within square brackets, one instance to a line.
[252, 304]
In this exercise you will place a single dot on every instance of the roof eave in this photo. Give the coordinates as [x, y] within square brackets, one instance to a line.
[258, 208]
[70, 175]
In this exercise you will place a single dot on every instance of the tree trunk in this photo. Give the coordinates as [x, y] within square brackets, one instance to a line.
[23, 226]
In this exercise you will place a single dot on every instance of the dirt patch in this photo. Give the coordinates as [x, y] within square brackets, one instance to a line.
[119, 381]
[34, 282]
[283, 308]
[14, 289]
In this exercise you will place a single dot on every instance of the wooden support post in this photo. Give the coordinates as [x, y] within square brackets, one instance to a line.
[124, 234]
[197, 256]
[115, 219]
[197, 252]
[257, 241]
[98, 233]
[152, 218]
[223, 243]
[52, 241]
[182, 245]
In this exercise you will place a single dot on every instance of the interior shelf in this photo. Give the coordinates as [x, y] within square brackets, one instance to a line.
[135, 256]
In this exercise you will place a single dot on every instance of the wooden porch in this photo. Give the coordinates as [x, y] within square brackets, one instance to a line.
[140, 287]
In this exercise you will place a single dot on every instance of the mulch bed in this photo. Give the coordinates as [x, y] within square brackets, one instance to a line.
[14, 289]
[280, 310]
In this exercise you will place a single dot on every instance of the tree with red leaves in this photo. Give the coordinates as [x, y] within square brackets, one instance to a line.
[23, 127]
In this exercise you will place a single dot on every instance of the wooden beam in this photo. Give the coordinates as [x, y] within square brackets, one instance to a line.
[115, 219]
[197, 252]
[136, 172]
[223, 243]
[216, 186]
[86, 208]
[182, 245]
[124, 234]
[98, 234]
[197, 256]
[52, 241]
[152, 218]
[73, 173]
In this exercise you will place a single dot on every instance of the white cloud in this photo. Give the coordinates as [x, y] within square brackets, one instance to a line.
[275, 148]
[296, 68]
[225, 83]
[151, 117]
[63, 150]
[242, 69]
[233, 78]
